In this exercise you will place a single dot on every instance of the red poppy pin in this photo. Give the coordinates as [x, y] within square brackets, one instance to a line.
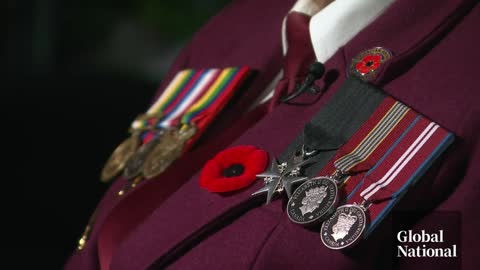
[366, 64]
[233, 168]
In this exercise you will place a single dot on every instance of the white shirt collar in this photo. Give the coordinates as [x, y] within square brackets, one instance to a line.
[335, 24]
[331, 26]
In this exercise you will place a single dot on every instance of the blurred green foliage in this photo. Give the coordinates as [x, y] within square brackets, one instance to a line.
[49, 36]
[184, 17]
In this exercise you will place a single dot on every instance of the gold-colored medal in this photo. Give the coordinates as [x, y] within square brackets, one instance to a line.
[120, 156]
[118, 159]
[167, 151]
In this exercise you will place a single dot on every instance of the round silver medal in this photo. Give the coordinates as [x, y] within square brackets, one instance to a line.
[344, 228]
[134, 165]
[313, 201]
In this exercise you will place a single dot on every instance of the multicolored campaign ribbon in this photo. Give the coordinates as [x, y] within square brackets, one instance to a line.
[403, 164]
[203, 92]
[221, 85]
[172, 91]
[318, 197]
[194, 120]
[197, 88]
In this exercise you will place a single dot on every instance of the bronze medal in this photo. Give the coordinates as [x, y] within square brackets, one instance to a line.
[118, 159]
[134, 165]
[167, 151]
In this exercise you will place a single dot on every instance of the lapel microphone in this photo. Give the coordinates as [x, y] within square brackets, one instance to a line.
[315, 72]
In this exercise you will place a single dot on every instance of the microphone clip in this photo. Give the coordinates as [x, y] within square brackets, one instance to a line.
[315, 72]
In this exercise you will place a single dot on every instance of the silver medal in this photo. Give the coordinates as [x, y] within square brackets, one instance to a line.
[313, 201]
[345, 227]
[282, 177]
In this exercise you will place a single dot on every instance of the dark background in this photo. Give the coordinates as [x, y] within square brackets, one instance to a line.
[74, 75]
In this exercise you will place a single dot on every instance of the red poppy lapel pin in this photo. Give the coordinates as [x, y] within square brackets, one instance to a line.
[233, 168]
[366, 64]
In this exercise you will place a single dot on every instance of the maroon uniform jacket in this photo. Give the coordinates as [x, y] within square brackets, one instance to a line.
[434, 70]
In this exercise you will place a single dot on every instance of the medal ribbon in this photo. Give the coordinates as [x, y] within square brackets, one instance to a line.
[190, 92]
[400, 167]
[196, 90]
[372, 136]
[204, 111]
[206, 90]
[199, 82]
[394, 172]
[172, 91]
[213, 94]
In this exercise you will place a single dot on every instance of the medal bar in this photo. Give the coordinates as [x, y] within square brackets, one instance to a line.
[318, 197]
[401, 166]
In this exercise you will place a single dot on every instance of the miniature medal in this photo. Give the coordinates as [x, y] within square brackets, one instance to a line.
[134, 165]
[118, 159]
[345, 227]
[167, 151]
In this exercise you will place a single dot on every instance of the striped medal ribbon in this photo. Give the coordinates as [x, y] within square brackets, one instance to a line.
[177, 87]
[218, 87]
[401, 166]
[318, 197]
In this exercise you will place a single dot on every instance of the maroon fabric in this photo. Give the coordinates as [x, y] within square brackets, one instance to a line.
[205, 51]
[299, 55]
[433, 71]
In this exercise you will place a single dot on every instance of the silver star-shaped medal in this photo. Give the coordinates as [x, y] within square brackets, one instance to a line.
[289, 181]
[273, 181]
[291, 174]
[277, 180]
